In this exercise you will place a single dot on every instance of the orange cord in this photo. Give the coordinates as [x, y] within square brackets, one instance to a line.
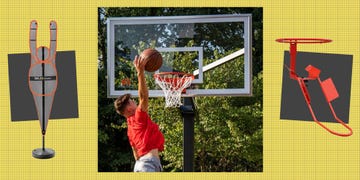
[306, 96]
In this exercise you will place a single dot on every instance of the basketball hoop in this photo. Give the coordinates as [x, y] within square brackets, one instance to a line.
[327, 86]
[293, 49]
[173, 84]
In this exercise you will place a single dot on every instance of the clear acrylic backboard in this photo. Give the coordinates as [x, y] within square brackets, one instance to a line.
[216, 49]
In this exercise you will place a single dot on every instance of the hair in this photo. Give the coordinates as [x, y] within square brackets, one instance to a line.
[121, 102]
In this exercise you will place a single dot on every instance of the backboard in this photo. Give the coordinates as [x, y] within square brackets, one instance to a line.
[215, 48]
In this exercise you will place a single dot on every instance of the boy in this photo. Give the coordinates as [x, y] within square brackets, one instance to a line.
[144, 135]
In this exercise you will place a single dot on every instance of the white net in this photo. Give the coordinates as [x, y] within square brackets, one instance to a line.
[173, 84]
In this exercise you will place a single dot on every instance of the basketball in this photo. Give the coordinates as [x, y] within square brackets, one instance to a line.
[154, 59]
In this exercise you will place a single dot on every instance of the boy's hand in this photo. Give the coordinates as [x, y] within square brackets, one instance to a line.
[140, 63]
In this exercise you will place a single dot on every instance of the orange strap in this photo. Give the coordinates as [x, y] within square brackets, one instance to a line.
[308, 102]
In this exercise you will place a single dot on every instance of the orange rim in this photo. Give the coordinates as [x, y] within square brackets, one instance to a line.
[304, 40]
[177, 74]
[176, 79]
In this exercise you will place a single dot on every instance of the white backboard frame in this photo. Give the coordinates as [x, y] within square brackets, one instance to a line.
[246, 52]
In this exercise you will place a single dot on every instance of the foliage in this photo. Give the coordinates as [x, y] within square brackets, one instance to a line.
[228, 130]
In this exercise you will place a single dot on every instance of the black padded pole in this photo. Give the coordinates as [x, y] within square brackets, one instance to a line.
[188, 114]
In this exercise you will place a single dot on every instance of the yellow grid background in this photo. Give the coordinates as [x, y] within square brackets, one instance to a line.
[292, 149]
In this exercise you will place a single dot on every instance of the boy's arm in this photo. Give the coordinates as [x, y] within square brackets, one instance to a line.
[142, 88]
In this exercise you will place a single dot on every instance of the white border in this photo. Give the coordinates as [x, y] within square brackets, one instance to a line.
[245, 18]
[199, 79]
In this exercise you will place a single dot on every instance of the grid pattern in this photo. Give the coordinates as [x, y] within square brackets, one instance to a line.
[292, 150]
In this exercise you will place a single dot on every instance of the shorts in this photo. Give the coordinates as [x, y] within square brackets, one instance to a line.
[148, 164]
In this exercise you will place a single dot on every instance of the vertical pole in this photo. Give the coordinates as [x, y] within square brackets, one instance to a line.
[188, 113]
[43, 98]
[292, 60]
[43, 142]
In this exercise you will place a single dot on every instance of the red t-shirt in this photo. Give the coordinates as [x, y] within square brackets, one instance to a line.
[144, 135]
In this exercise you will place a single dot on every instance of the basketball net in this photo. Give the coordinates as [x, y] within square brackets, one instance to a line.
[173, 84]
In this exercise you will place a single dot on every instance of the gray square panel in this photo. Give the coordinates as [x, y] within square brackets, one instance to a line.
[338, 67]
[65, 104]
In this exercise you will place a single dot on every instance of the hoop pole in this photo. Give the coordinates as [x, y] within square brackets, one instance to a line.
[293, 60]
[188, 114]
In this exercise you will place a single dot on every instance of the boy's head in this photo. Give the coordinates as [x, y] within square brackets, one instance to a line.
[125, 106]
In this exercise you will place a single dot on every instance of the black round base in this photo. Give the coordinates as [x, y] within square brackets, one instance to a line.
[41, 153]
